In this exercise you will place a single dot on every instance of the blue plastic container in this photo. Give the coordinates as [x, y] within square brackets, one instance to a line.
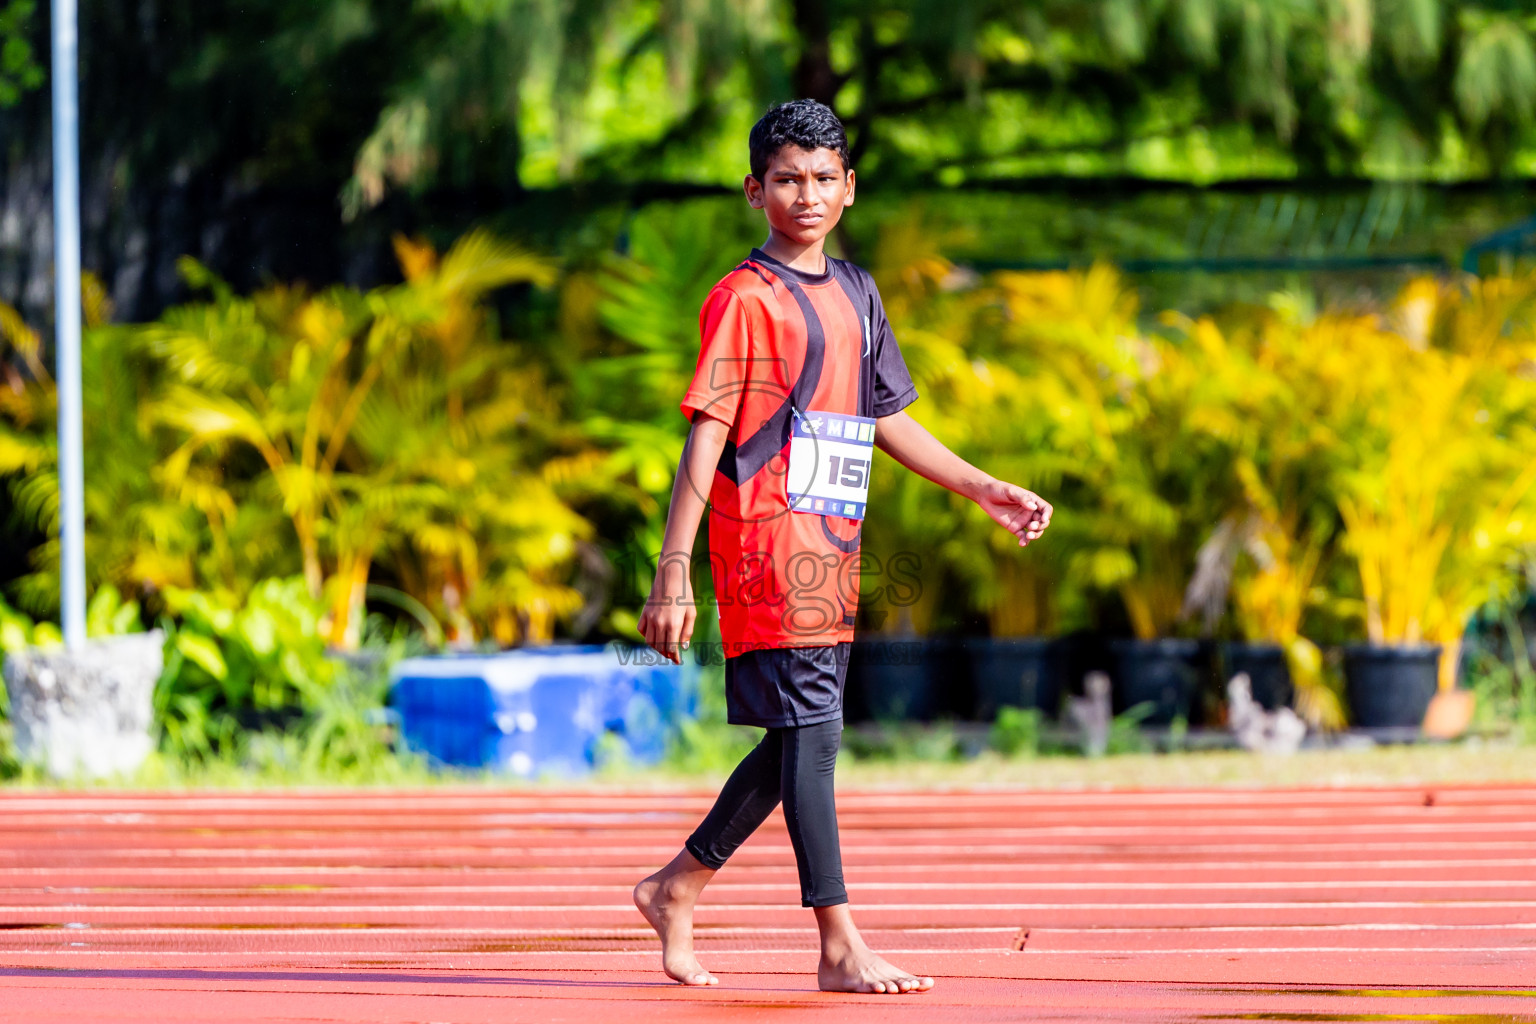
[541, 711]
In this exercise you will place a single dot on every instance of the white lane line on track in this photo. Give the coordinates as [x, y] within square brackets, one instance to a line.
[448, 798]
[1166, 830]
[782, 887]
[713, 908]
[23, 819]
[556, 934]
[375, 955]
[447, 856]
[1354, 926]
[811, 951]
[998, 867]
[102, 933]
[1220, 950]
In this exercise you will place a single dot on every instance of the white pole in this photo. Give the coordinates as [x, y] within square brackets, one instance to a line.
[66, 303]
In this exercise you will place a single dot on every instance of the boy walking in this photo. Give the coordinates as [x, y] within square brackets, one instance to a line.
[798, 378]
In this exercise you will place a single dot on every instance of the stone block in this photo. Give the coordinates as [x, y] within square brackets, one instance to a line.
[88, 712]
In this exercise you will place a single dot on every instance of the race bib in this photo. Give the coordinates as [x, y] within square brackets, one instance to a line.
[829, 460]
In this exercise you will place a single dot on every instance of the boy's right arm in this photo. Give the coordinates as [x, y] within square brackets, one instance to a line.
[667, 621]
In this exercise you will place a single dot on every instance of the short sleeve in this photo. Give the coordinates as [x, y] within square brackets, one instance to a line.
[894, 390]
[725, 349]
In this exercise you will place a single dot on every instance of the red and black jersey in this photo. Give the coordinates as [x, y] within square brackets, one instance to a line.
[779, 345]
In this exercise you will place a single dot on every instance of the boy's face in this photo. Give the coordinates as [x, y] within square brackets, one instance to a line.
[803, 193]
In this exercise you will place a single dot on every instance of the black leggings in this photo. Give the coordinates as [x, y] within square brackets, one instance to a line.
[794, 763]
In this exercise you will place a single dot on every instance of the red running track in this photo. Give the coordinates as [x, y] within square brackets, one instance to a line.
[474, 906]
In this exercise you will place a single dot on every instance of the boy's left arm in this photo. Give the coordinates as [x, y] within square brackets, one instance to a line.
[1023, 513]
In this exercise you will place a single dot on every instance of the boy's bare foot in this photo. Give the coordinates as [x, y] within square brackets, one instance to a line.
[666, 899]
[848, 965]
[862, 971]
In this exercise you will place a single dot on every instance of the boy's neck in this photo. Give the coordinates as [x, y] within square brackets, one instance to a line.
[807, 258]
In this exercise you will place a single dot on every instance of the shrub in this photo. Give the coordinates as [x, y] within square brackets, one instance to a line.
[1016, 732]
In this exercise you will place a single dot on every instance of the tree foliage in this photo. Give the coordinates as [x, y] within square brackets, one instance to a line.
[984, 90]
[319, 433]
[288, 140]
[1266, 472]
[18, 65]
[490, 96]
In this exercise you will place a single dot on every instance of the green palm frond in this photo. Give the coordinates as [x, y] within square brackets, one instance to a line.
[36, 499]
[389, 424]
[207, 347]
[25, 453]
[22, 340]
[480, 262]
[1496, 76]
[210, 416]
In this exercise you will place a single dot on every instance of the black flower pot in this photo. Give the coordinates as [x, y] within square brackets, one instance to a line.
[950, 671]
[1165, 673]
[896, 678]
[1021, 672]
[1390, 686]
[1267, 670]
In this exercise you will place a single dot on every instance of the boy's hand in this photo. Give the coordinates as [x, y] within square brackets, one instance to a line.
[667, 621]
[1022, 513]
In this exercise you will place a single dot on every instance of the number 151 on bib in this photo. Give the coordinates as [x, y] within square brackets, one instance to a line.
[829, 461]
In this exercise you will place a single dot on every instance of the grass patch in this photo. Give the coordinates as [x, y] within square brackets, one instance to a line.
[1470, 761]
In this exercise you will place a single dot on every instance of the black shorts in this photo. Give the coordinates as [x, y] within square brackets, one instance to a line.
[783, 687]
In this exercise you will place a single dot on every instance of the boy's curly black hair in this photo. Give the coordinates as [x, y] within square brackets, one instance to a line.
[803, 123]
